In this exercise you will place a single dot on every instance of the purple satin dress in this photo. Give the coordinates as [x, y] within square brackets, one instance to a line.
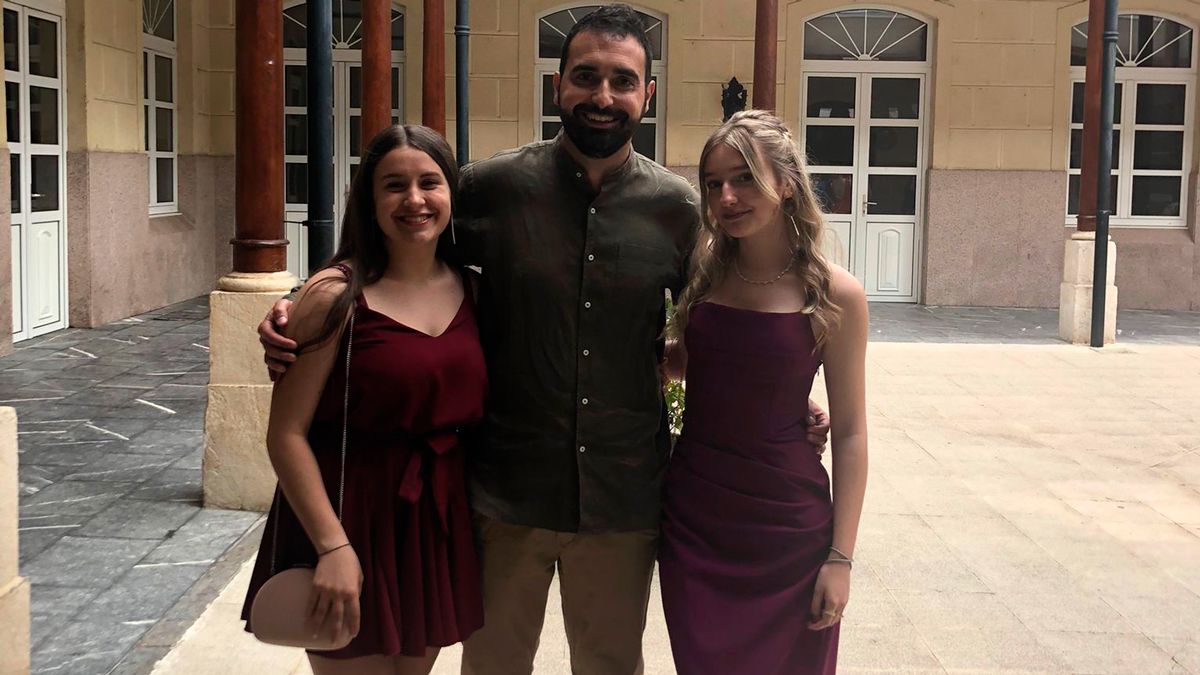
[748, 515]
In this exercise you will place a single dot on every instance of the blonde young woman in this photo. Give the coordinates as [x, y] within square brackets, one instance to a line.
[756, 553]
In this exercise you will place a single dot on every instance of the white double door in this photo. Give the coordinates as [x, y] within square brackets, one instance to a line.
[33, 89]
[864, 134]
[347, 143]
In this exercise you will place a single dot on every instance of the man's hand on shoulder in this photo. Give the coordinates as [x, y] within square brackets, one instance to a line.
[279, 352]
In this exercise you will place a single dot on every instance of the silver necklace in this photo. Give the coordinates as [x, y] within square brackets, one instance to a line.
[737, 268]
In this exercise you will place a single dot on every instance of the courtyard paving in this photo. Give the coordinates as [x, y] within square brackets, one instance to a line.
[1033, 507]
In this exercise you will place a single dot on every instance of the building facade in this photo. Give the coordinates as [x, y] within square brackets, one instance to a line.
[943, 137]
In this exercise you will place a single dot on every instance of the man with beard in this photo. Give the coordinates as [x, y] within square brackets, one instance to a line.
[578, 238]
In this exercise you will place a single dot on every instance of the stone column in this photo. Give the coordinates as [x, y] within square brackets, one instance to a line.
[14, 590]
[433, 70]
[237, 472]
[376, 68]
[766, 48]
[1075, 294]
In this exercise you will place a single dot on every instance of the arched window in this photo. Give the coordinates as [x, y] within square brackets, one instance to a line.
[1152, 113]
[347, 26]
[865, 35]
[552, 32]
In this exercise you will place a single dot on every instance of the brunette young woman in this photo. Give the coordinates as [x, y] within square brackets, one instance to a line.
[386, 525]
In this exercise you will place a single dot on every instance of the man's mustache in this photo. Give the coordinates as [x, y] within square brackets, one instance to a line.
[616, 114]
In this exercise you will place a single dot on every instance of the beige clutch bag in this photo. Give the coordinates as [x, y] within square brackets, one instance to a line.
[279, 614]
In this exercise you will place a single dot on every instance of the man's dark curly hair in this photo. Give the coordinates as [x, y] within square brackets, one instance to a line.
[616, 20]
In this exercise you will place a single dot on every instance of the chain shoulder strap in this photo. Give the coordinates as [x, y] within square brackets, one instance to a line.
[346, 413]
[345, 437]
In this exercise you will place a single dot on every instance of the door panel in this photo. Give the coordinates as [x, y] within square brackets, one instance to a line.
[889, 259]
[43, 250]
[838, 242]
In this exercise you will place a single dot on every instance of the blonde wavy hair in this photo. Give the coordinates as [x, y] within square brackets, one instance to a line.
[767, 145]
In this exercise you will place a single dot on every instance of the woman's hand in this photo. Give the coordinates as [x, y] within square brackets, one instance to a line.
[337, 584]
[830, 596]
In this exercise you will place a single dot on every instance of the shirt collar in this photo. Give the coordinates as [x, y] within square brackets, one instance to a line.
[572, 169]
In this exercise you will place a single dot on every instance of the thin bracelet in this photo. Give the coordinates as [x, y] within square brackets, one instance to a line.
[841, 559]
[322, 555]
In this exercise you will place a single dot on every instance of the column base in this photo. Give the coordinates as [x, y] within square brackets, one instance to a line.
[1075, 293]
[1075, 314]
[258, 282]
[14, 626]
[237, 472]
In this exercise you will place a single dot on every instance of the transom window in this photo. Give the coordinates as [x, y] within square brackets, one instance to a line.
[158, 104]
[648, 138]
[865, 35]
[1151, 120]
[347, 26]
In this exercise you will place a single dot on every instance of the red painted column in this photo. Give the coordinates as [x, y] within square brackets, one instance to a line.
[433, 71]
[1090, 150]
[766, 46]
[376, 68]
[259, 244]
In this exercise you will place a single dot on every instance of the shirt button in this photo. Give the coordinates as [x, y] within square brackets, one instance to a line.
[583, 448]
[586, 352]
[591, 257]
[579, 174]
[585, 401]
[592, 210]
[587, 305]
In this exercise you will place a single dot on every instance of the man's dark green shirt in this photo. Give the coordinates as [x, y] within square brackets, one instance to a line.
[572, 299]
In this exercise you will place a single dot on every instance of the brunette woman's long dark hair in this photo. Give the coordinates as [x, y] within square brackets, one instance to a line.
[363, 247]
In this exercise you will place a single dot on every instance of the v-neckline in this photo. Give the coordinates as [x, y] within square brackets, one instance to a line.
[454, 319]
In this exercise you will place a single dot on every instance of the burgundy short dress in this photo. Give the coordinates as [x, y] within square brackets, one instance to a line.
[414, 398]
[748, 516]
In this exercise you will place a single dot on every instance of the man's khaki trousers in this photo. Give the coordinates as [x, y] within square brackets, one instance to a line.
[605, 584]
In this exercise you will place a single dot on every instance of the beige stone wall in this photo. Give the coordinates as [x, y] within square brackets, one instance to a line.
[121, 261]
[207, 57]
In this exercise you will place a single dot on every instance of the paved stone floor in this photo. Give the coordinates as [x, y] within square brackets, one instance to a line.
[892, 322]
[110, 428]
[992, 473]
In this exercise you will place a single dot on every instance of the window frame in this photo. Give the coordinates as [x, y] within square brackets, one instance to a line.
[658, 70]
[1129, 78]
[152, 47]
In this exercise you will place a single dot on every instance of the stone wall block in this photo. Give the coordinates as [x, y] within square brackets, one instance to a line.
[14, 627]
[14, 590]
[237, 471]
[236, 357]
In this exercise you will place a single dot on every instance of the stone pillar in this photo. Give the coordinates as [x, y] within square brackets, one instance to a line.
[433, 67]
[1090, 138]
[14, 590]
[1075, 294]
[766, 48]
[237, 473]
[376, 68]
